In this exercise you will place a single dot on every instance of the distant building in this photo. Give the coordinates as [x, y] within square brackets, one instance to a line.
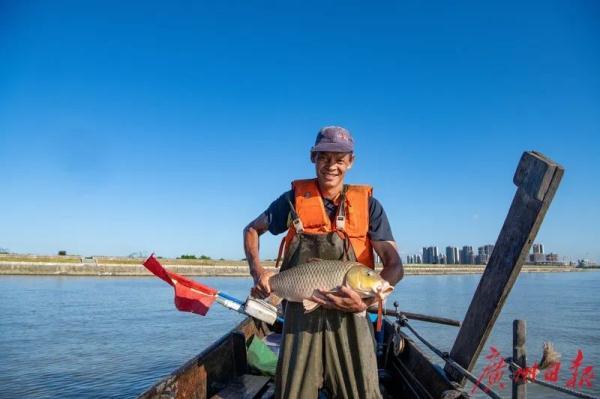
[488, 249]
[452, 257]
[545, 259]
[413, 259]
[537, 258]
[483, 254]
[584, 263]
[430, 255]
[467, 257]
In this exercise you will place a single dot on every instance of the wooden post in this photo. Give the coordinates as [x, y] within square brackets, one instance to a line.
[537, 179]
[519, 387]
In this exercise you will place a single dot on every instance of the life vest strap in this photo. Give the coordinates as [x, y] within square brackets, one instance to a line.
[346, 243]
[280, 252]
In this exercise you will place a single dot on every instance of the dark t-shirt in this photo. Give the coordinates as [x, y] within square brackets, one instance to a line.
[278, 214]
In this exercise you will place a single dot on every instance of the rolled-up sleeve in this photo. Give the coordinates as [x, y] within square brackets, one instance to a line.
[379, 226]
[278, 213]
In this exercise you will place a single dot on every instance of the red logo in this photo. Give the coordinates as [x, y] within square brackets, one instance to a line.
[494, 371]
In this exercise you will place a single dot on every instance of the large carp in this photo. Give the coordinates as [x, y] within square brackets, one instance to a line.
[298, 283]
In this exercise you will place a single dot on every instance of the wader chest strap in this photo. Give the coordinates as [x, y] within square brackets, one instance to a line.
[340, 219]
[298, 226]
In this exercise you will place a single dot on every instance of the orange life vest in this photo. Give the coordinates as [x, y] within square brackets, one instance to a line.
[315, 220]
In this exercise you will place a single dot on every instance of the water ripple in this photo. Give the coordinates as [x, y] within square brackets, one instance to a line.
[75, 337]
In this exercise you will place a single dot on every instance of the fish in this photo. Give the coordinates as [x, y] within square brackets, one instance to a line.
[299, 283]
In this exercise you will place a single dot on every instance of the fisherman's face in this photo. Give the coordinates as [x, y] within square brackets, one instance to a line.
[331, 168]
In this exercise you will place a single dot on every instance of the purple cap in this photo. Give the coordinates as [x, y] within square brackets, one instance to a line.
[333, 139]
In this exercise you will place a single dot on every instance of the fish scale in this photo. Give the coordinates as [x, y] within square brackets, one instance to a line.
[299, 282]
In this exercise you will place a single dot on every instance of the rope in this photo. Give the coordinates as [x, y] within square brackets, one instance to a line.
[446, 356]
[514, 367]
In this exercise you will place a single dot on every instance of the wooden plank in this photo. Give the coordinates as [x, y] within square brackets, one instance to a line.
[270, 392]
[238, 350]
[537, 178]
[519, 386]
[225, 363]
[246, 386]
[211, 370]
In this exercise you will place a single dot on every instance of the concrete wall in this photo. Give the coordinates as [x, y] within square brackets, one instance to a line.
[93, 269]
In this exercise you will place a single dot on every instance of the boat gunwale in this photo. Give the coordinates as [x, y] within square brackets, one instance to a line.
[247, 327]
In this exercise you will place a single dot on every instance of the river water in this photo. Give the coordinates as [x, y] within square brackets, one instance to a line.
[74, 337]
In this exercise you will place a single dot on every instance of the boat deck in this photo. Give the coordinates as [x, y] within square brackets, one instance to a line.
[222, 370]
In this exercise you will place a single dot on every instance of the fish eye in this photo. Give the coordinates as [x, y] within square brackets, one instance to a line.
[369, 273]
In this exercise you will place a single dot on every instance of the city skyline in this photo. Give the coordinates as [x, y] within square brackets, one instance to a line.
[467, 255]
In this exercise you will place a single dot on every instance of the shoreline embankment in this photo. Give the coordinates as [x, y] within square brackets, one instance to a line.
[221, 269]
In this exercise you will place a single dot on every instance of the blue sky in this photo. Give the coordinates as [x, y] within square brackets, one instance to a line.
[167, 126]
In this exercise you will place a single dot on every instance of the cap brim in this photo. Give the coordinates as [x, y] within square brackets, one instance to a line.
[332, 147]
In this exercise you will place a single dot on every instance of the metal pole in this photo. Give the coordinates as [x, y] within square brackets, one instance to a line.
[418, 316]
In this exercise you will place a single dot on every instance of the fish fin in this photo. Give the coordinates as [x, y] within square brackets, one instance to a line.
[309, 305]
[322, 292]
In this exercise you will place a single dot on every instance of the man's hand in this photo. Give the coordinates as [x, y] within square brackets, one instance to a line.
[344, 300]
[262, 288]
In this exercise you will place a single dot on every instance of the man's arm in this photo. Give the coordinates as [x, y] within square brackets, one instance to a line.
[393, 271]
[383, 242]
[261, 276]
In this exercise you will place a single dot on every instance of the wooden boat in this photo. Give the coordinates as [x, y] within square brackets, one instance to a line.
[222, 370]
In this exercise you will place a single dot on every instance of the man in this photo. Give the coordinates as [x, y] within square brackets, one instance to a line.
[332, 347]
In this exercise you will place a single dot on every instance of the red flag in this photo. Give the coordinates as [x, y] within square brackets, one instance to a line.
[190, 296]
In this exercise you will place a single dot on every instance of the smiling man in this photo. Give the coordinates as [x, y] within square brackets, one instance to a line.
[332, 347]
